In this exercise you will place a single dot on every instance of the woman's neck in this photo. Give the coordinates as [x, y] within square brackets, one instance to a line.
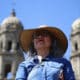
[43, 52]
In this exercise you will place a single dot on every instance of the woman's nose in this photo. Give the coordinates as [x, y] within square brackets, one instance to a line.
[40, 36]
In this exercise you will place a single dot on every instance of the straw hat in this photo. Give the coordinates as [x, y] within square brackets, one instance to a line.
[61, 40]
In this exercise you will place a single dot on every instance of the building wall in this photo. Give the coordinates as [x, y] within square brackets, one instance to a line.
[75, 48]
[11, 53]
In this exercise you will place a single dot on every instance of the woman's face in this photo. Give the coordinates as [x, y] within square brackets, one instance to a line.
[41, 40]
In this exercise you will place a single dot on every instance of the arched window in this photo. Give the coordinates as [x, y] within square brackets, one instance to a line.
[9, 45]
[76, 46]
[7, 69]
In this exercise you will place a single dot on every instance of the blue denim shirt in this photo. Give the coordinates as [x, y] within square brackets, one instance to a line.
[48, 69]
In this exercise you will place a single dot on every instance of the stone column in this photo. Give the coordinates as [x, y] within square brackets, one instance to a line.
[4, 45]
[13, 46]
[1, 68]
[13, 70]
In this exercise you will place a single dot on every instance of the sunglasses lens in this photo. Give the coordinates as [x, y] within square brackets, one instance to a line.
[43, 33]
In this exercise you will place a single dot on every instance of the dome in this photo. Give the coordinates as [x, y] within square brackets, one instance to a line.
[76, 24]
[11, 20]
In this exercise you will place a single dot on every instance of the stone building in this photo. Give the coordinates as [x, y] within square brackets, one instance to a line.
[75, 45]
[10, 51]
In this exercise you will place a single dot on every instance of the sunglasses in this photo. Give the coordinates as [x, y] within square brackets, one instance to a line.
[43, 33]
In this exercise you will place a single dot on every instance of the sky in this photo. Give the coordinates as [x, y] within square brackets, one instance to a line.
[33, 13]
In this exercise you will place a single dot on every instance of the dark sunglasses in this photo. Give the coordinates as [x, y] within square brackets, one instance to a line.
[43, 33]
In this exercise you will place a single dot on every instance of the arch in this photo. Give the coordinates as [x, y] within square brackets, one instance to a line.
[9, 45]
[7, 69]
[76, 46]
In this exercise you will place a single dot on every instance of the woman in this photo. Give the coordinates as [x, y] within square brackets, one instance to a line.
[46, 47]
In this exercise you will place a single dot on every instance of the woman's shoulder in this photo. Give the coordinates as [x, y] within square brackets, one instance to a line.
[62, 60]
[66, 62]
[27, 62]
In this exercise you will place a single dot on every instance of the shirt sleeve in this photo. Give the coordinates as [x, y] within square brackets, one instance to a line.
[21, 72]
[68, 71]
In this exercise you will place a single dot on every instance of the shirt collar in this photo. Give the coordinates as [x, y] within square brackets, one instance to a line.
[38, 60]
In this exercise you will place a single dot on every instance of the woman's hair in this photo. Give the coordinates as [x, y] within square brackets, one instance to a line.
[32, 50]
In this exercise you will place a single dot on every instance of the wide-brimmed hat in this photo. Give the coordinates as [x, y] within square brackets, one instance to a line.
[61, 42]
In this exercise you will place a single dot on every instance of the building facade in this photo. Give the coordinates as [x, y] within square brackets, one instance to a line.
[10, 52]
[75, 48]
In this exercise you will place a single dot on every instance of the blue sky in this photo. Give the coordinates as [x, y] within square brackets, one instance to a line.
[32, 13]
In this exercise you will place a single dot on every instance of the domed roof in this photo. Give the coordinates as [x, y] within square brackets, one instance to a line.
[12, 19]
[76, 24]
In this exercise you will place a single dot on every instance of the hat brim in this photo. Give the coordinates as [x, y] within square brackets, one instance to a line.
[61, 40]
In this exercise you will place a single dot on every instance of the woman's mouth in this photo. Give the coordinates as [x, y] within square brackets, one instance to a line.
[40, 40]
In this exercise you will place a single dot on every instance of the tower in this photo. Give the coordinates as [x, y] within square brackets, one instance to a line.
[75, 45]
[10, 51]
